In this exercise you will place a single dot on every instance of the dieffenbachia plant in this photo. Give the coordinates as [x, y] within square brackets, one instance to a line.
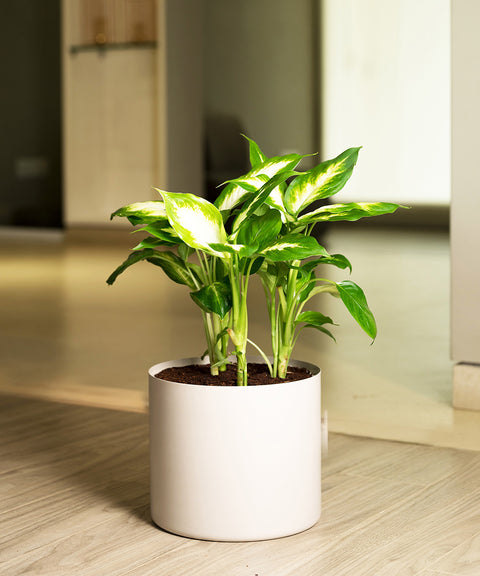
[259, 224]
[164, 247]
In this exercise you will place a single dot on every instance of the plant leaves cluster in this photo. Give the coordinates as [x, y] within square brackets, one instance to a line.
[261, 224]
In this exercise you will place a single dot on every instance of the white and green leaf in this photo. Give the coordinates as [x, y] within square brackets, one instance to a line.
[234, 193]
[351, 211]
[142, 212]
[322, 181]
[258, 200]
[293, 247]
[196, 221]
[257, 157]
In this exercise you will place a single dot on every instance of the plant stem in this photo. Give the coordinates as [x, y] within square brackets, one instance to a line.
[287, 322]
[210, 337]
[239, 316]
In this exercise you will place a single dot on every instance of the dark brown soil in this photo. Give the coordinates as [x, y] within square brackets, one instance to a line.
[258, 375]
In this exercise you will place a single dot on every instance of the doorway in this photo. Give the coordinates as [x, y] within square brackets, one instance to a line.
[30, 115]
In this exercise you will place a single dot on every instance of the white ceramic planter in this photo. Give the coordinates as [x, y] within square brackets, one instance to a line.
[235, 463]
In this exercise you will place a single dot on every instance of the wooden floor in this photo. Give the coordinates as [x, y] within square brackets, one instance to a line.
[74, 500]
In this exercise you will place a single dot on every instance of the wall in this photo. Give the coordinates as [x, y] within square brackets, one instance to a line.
[182, 118]
[259, 68]
[132, 118]
[465, 231]
[109, 132]
[386, 87]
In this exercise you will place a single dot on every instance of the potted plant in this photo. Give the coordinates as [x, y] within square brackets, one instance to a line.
[242, 462]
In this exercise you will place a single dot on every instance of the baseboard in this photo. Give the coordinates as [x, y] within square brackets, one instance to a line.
[466, 386]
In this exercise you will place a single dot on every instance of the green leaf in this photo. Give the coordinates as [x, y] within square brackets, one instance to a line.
[173, 267]
[233, 194]
[356, 303]
[161, 229]
[164, 237]
[257, 264]
[321, 329]
[323, 181]
[257, 157]
[143, 211]
[294, 247]
[260, 231]
[132, 259]
[185, 252]
[150, 243]
[350, 212]
[313, 318]
[338, 260]
[304, 291]
[195, 220]
[268, 275]
[215, 297]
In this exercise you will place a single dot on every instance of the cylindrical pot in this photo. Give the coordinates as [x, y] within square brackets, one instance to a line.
[235, 463]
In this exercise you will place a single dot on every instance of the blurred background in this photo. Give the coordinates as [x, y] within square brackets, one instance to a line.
[104, 99]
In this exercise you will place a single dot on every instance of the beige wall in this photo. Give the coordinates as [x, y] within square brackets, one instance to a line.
[132, 118]
[465, 210]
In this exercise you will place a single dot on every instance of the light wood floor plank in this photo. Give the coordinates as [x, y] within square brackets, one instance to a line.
[113, 547]
[464, 559]
[417, 465]
[435, 573]
[75, 501]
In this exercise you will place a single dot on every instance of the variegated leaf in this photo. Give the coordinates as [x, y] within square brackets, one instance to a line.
[258, 200]
[162, 231]
[197, 222]
[350, 212]
[142, 212]
[294, 247]
[275, 200]
[233, 194]
[257, 157]
[323, 181]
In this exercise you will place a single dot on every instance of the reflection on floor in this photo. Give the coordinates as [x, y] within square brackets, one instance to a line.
[67, 335]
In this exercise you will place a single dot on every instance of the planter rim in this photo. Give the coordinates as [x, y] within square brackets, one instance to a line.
[156, 368]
